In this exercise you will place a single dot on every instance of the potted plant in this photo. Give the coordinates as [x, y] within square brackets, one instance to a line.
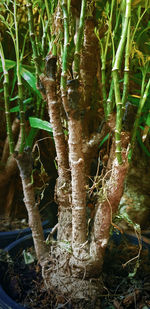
[84, 82]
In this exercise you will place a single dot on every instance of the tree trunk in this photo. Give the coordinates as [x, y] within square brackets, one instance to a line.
[77, 256]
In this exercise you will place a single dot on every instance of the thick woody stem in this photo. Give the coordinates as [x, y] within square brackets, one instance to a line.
[63, 181]
[77, 165]
[108, 202]
[59, 138]
[24, 162]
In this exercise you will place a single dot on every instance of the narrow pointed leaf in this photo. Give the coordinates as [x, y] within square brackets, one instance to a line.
[40, 124]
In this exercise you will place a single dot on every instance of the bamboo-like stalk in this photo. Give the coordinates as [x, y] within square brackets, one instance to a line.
[20, 90]
[103, 60]
[32, 38]
[118, 116]
[115, 70]
[6, 98]
[65, 47]
[104, 93]
[76, 66]
[138, 115]
[110, 99]
[48, 15]
[126, 69]
[63, 82]
[36, 60]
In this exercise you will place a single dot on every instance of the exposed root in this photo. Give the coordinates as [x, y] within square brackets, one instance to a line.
[58, 277]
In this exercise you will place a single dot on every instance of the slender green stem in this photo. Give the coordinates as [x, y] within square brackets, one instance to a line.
[126, 70]
[137, 25]
[23, 47]
[138, 115]
[110, 99]
[115, 70]
[118, 116]
[104, 93]
[68, 5]
[20, 89]
[144, 72]
[76, 66]
[44, 36]
[123, 36]
[6, 98]
[65, 48]
[109, 28]
[48, 15]
[33, 40]
[104, 50]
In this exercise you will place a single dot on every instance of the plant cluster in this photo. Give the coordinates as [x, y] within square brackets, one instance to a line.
[85, 64]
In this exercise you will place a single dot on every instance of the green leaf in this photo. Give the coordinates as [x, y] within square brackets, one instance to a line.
[9, 65]
[40, 124]
[31, 136]
[134, 100]
[28, 257]
[30, 79]
[14, 98]
[104, 140]
[142, 144]
[148, 120]
[15, 109]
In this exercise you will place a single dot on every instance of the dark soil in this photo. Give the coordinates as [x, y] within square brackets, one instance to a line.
[9, 224]
[124, 286]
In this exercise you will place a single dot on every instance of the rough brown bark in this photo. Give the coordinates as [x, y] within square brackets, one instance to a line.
[88, 71]
[24, 162]
[77, 166]
[81, 257]
[110, 195]
[63, 181]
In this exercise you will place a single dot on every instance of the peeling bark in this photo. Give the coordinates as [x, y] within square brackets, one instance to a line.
[76, 159]
[24, 162]
[88, 71]
[55, 120]
[107, 205]
[63, 181]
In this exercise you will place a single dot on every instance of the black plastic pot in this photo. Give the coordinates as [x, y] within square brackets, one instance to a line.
[117, 237]
[7, 238]
[22, 243]
[5, 301]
